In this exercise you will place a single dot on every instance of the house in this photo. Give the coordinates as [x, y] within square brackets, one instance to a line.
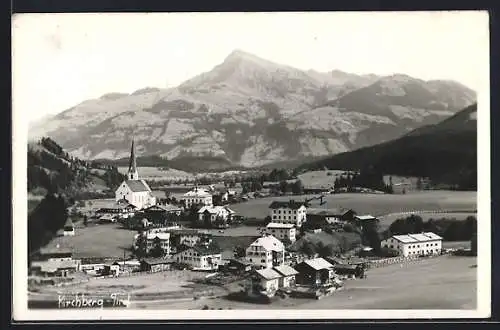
[349, 270]
[414, 244]
[266, 252]
[54, 268]
[54, 262]
[155, 237]
[69, 228]
[287, 279]
[219, 215]
[315, 272]
[162, 214]
[237, 266]
[365, 220]
[317, 189]
[263, 282]
[197, 196]
[119, 209]
[135, 191]
[319, 217]
[113, 270]
[155, 265]
[200, 257]
[55, 254]
[288, 212]
[282, 231]
[188, 237]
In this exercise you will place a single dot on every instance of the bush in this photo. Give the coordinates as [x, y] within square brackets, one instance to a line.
[386, 252]
[348, 228]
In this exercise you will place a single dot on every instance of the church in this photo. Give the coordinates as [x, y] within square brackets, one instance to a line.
[134, 190]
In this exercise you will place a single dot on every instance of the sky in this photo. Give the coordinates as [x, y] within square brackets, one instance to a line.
[60, 60]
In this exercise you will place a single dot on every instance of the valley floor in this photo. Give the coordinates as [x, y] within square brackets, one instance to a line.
[445, 282]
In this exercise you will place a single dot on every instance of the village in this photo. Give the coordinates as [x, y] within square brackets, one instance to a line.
[190, 248]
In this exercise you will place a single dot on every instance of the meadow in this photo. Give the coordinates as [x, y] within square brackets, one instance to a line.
[98, 240]
[445, 282]
[374, 204]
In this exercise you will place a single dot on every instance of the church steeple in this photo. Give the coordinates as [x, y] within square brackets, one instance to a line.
[132, 167]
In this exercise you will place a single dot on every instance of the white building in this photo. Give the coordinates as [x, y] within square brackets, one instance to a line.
[154, 236]
[288, 212]
[282, 231]
[211, 213]
[414, 244]
[134, 190]
[200, 257]
[266, 252]
[197, 196]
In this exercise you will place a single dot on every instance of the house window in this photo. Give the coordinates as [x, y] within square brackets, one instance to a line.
[262, 260]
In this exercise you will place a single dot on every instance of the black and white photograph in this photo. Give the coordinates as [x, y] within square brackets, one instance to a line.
[193, 166]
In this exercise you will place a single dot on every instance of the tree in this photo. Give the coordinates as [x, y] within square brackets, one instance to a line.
[284, 186]
[297, 188]
[157, 250]
[308, 248]
[419, 183]
[141, 245]
[85, 220]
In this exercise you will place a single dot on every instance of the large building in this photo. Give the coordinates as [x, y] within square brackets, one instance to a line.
[266, 252]
[154, 237]
[288, 212]
[414, 244]
[200, 257]
[282, 231]
[133, 189]
[197, 196]
[210, 214]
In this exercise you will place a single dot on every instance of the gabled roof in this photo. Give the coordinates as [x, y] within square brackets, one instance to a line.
[417, 238]
[215, 209]
[328, 212]
[162, 236]
[318, 263]
[272, 225]
[163, 208]
[197, 192]
[156, 261]
[269, 243]
[268, 273]
[289, 205]
[365, 217]
[137, 185]
[206, 250]
[55, 250]
[285, 270]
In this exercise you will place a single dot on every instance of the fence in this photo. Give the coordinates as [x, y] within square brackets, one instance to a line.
[427, 212]
[398, 260]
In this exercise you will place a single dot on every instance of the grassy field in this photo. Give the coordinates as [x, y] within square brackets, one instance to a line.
[152, 173]
[374, 204]
[319, 178]
[387, 220]
[105, 240]
[439, 283]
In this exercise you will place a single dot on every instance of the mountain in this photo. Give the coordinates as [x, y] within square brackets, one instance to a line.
[51, 169]
[445, 152]
[248, 111]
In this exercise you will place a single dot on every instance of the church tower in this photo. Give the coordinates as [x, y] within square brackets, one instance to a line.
[132, 167]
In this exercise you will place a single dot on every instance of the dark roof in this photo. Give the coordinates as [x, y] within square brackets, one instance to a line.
[163, 208]
[290, 204]
[207, 250]
[136, 185]
[156, 261]
[345, 267]
[55, 251]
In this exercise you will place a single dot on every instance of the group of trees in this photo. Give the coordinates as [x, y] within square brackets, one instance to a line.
[54, 170]
[45, 220]
[366, 179]
[449, 229]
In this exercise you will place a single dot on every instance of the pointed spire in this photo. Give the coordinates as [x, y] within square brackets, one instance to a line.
[132, 167]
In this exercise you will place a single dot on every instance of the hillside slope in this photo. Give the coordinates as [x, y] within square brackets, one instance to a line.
[445, 152]
[51, 169]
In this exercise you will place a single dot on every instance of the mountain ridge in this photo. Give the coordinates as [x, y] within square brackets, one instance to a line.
[255, 112]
